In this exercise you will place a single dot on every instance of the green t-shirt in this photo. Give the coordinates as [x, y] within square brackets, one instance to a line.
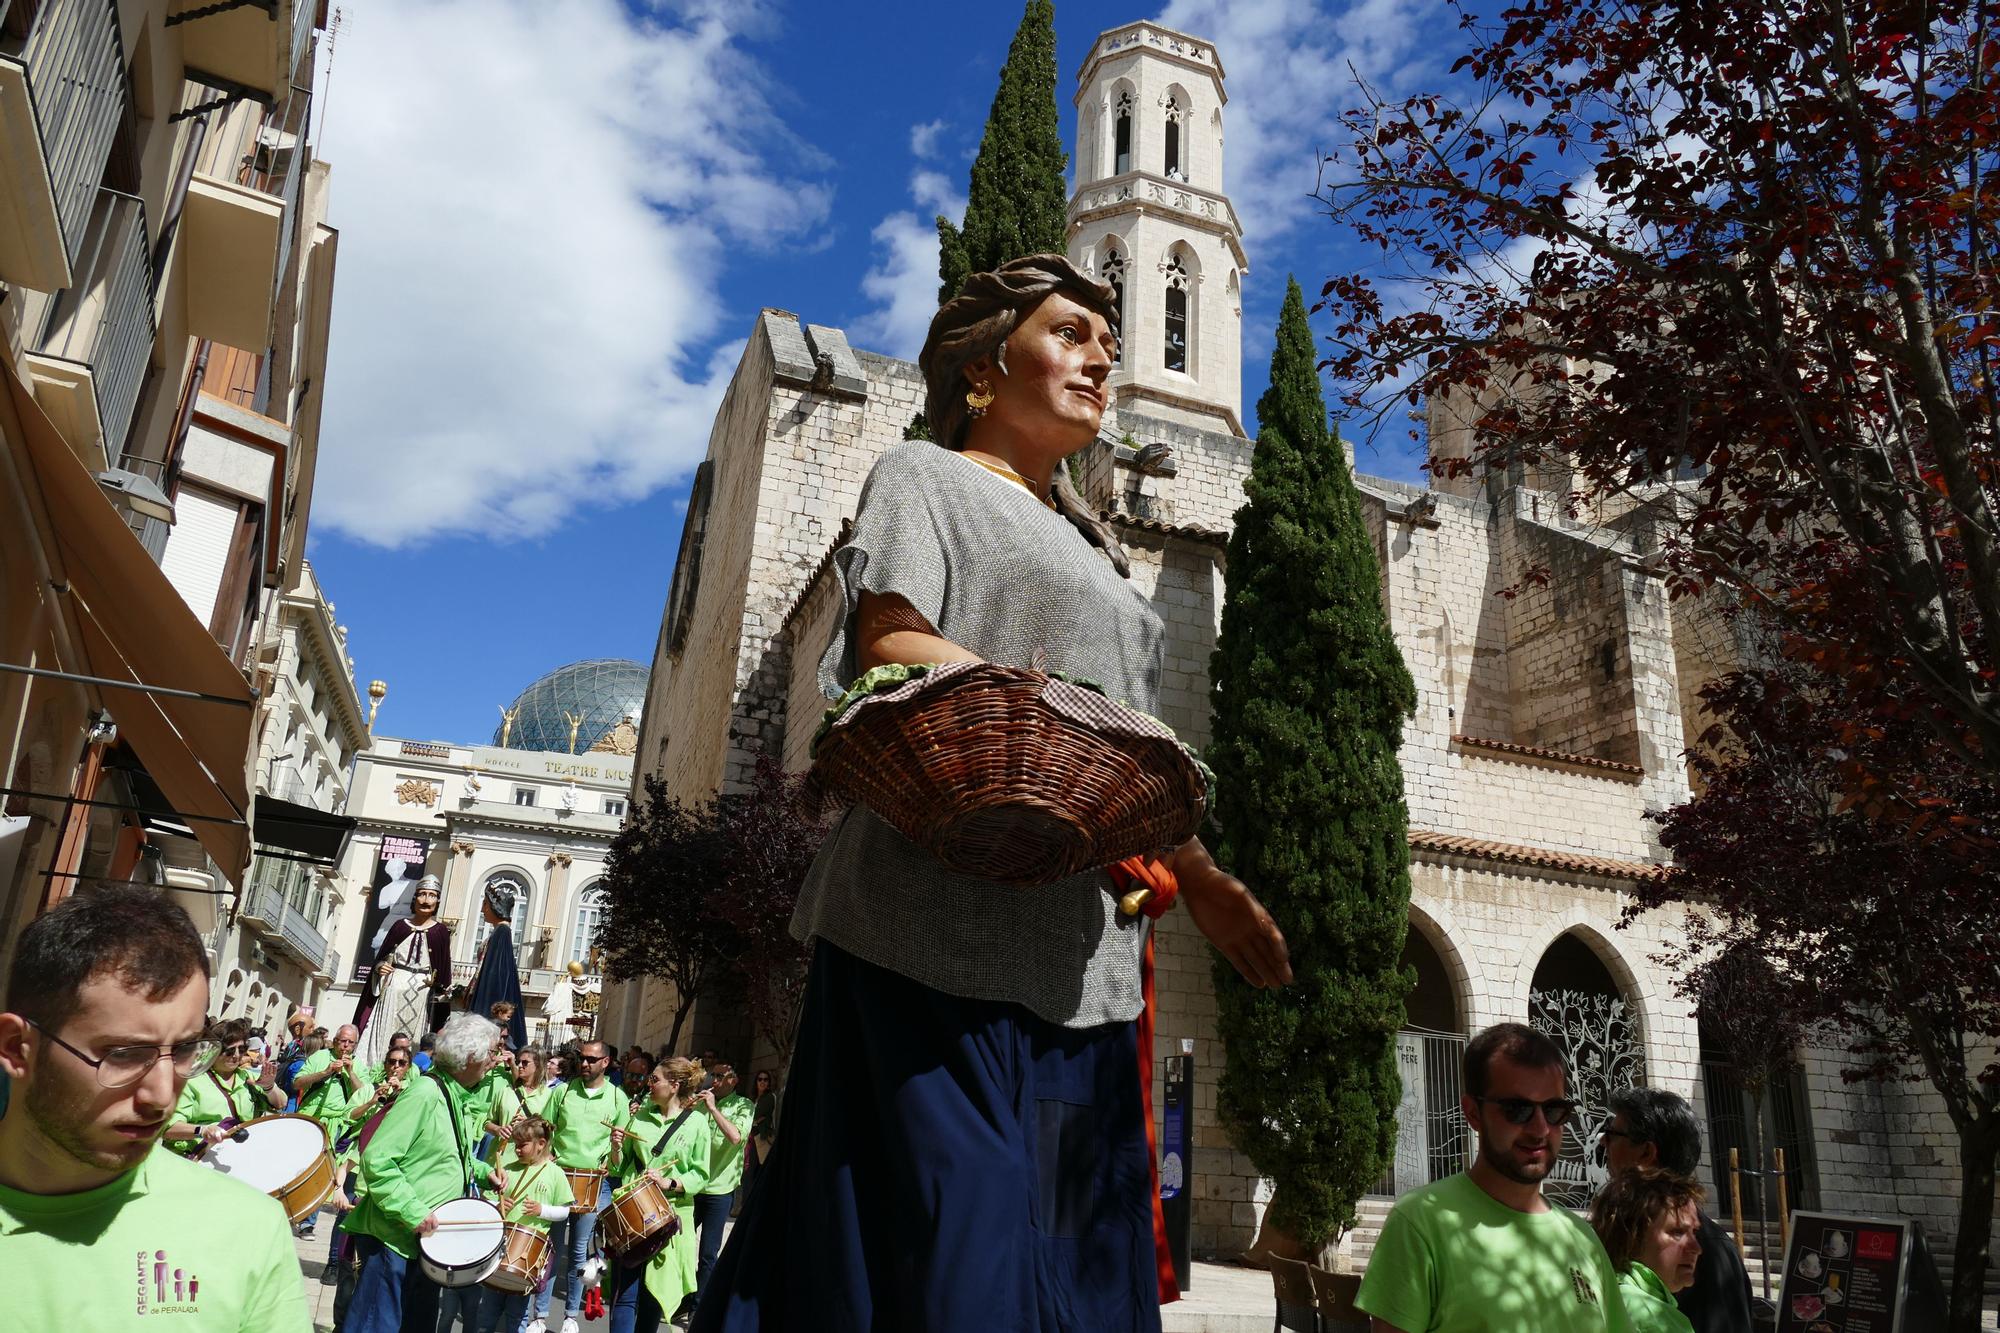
[1649, 1304]
[1453, 1259]
[541, 1183]
[685, 1159]
[327, 1100]
[208, 1098]
[413, 1163]
[584, 1120]
[727, 1171]
[168, 1245]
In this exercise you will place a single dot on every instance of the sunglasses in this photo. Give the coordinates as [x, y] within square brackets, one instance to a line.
[395, 1064]
[1519, 1110]
[238, 1049]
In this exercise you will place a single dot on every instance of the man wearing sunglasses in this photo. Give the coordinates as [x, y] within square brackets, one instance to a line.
[584, 1113]
[1483, 1251]
[1652, 1127]
[102, 1028]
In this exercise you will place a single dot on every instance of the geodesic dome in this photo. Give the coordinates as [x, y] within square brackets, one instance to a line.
[604, 690]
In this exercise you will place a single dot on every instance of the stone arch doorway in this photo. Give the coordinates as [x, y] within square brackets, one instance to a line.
[1577, 1001]
[1432, 1138]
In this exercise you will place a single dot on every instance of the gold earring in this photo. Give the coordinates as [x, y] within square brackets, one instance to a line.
[979, 398]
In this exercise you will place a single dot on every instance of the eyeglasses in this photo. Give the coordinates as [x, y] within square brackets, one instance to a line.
[1519, 1110]
[122, 1066]
[1602, 1149]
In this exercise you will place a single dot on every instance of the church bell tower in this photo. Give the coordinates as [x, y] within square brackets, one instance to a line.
[1149, 217]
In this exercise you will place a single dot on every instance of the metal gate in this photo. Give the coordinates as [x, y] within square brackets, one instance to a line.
[1432, 1139]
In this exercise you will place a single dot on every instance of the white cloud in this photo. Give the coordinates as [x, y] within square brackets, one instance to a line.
[903, 287]
[534, 202]
[923, 138]
[1286, 65]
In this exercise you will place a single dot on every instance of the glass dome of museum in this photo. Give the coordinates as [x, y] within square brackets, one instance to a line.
[604, 691]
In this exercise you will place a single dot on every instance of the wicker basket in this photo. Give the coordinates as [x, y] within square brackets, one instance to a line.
[1008, 774]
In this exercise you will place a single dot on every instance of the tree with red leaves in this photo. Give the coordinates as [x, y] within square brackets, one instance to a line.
[771, 846]
[1725, 272]
[1753, 242]
[660, 879]
[1836, 916]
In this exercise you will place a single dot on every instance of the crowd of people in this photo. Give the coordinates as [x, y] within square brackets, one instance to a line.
[1483, 1252]
[100, 1148]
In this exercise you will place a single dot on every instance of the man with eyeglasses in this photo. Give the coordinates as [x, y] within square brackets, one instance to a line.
[584, 1112]
[1652, 1127]
[102, 1028]
[1483, 1251]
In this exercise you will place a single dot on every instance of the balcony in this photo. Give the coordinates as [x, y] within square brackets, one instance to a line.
[255, 45]
[62, 95]
[241, 213]
[268, 908]
[90, 361]
[534, 980]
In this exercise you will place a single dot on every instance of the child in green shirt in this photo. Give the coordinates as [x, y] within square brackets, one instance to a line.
[537, 1194]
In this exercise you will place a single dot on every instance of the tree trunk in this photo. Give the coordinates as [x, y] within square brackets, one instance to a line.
[1977, 1145]
[681, 1007]
[1757, 1177]
[1273, 1240]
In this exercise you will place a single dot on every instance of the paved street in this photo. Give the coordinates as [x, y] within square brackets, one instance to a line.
[1224, 1299]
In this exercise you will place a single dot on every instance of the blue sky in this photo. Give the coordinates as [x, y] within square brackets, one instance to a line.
[558, 224]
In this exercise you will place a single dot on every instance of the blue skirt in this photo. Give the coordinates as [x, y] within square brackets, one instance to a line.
[944, 1165]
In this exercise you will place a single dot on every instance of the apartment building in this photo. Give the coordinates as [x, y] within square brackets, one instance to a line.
[166, 278]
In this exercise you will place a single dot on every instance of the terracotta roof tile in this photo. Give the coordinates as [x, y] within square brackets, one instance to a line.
[1207, 536]
[1509, 853]
[1610, 767]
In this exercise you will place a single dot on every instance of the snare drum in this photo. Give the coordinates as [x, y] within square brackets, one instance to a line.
[284, 1156]
[524, 1257]
[466, 1247]
[639, 1222]
[587, 1186]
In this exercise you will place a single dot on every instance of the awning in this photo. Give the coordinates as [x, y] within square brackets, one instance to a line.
[134, 628]
[291, 827]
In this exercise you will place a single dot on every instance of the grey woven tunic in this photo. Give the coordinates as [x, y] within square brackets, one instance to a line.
[1001, 574]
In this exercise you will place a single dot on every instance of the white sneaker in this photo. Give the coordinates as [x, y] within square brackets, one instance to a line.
[570, 1326]
[537, 1326]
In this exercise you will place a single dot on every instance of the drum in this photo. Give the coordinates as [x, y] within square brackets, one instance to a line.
[639, 1222]
[524, 1257]
[465, 1248]
[587, 1186]
[284, 1156]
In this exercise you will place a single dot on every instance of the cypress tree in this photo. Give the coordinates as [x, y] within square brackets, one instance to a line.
[1016, 204]
[1309, 696]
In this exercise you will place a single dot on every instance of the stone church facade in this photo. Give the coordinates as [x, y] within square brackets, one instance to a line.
[1548, 724]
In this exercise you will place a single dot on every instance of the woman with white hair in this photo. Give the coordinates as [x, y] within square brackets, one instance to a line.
[414, 960]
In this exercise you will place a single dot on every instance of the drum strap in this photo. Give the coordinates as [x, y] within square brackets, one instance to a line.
[229, 1098]
[457, 1132]
[672, 1130]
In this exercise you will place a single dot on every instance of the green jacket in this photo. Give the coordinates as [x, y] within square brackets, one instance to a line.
[327, 1100]
[416, 1161]
[727, 1172]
